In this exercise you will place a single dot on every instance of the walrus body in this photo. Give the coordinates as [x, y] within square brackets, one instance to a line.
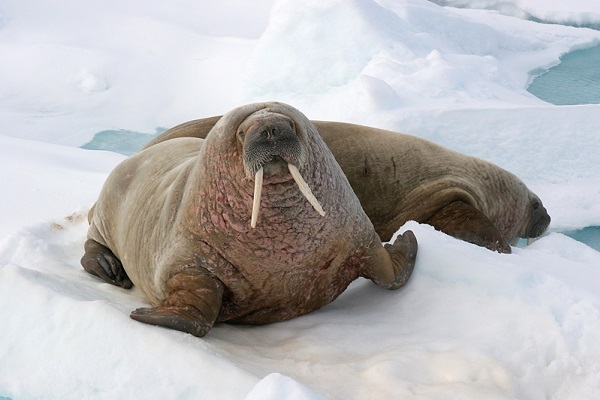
[174, 220]
[399, 177]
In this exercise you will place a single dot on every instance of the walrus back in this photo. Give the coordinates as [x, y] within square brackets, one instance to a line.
[399, 177]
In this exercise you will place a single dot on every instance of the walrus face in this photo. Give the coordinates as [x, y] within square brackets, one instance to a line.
[539, 220]
[270, 141]
[271, 145]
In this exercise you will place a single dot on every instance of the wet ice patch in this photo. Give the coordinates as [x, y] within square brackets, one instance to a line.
[576, 80]
[589, 235]
[121, 141]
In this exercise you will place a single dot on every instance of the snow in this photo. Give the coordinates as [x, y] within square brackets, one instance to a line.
[470, 324]
[574, 12]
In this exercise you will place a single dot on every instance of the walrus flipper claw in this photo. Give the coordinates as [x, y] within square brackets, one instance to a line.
[192, 305]
[99, 260]
[465, 222]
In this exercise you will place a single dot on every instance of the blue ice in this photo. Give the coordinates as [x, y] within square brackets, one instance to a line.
[589, 235]
[121, 141]
[576, 80]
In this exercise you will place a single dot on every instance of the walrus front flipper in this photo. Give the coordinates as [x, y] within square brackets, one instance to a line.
[465, 222]
[391, 265]
[99, 260]
[193, 304]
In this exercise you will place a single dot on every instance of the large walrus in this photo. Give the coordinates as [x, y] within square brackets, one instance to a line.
[255, 224]
[399, 177]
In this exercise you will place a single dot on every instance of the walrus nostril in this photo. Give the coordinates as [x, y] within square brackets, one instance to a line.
[271, 132]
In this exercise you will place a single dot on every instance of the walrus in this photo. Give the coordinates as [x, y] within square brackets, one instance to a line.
[256, 224]
[399, 177]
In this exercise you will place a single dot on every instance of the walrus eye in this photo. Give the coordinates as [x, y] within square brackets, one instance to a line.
[536, 205]
[241, 134]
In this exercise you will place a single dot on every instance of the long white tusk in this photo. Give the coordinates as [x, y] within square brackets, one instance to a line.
[258, 181]
[305, 189]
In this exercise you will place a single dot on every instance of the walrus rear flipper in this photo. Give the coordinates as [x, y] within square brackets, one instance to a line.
[99, 260]
[465, 222]
[192, 305]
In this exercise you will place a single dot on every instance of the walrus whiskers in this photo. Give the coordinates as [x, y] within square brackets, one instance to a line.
[305, 189]
[302, 185]
[187, 254]
[258, 181]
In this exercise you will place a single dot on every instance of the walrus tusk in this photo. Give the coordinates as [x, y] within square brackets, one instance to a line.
[305, 189]
[258, 181]
[302, 185]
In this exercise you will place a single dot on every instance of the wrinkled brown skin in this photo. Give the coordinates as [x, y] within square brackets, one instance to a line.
[174, 220]
[399, 177]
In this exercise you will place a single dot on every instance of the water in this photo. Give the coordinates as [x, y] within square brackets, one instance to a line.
[121, 141]
[576, 80]
[589, 235]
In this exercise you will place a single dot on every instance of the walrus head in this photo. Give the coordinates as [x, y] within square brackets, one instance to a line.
[512, 207]
[533, 220]
[538, 218]
[269, 141]
[272, 146]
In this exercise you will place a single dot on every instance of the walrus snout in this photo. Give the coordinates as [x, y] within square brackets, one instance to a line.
[268, 144]
[539, 221]
[269, 140]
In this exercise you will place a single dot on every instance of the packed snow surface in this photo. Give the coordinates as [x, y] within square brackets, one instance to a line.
[470, 323]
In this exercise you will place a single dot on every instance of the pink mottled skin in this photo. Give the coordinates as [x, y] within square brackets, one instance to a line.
[174, 220]
[399, 177]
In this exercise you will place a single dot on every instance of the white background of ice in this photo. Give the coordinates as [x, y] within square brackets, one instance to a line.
[470, 324]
